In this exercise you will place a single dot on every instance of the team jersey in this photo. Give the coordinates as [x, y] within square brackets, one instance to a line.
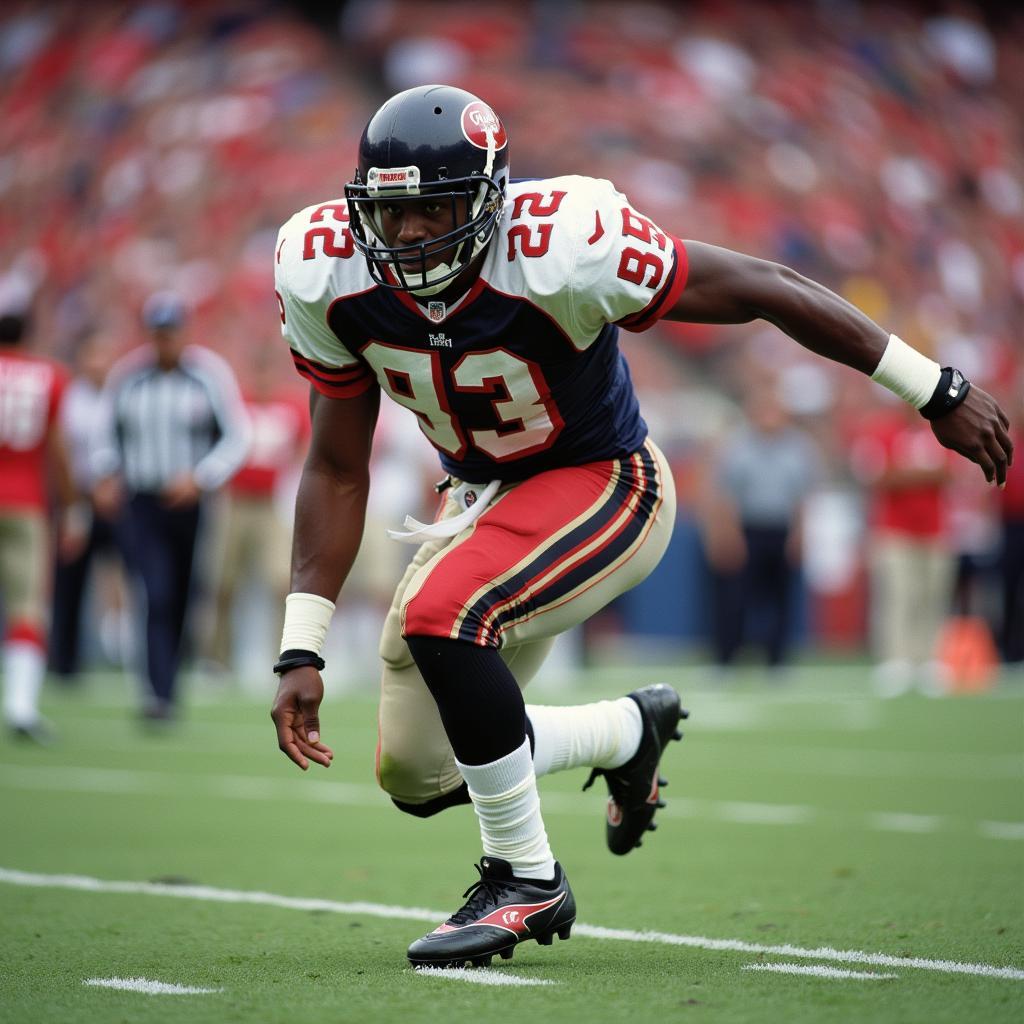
[280, 427]
[31, 389]
[521, 374]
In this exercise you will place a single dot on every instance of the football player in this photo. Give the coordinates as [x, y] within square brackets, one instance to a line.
[490, 309]
[32, 452]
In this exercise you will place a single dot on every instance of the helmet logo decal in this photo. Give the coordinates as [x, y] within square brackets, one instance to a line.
[482, 127]
[393, 180]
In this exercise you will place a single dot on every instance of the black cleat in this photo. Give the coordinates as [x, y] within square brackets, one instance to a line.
[501, 912]
[633, 788]
[37, 732]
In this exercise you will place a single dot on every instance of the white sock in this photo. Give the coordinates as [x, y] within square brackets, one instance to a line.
[602, 735]
[24, 668]
[505, 798]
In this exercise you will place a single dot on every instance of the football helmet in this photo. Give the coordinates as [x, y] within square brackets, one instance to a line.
[438, 141]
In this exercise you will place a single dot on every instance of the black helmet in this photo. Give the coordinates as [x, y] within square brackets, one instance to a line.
[432, 140]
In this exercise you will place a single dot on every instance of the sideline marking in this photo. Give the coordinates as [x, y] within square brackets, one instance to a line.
[84, 883]
[897, 821]
[149, 987]
[817, 971]
[349, 794]
[480, 976]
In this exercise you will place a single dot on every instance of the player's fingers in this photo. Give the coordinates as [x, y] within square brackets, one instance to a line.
[291, 750]
[981, 456]
[997, 452]
[286, 743]
[313, 753]
[303, 736]
[310, 709]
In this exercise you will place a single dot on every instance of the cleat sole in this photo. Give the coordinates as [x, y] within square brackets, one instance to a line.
[506, 953]
[566, 930]
[678, 734]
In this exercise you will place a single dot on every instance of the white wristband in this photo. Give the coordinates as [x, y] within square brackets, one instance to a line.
[907, 373]
[306, 618]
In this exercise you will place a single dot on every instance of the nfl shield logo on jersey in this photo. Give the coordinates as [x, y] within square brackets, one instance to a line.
[436, 311]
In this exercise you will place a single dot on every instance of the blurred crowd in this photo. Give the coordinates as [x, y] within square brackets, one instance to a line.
[878, 148]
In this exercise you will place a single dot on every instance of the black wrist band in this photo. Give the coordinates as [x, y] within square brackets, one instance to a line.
[949, 393]
[297, 659]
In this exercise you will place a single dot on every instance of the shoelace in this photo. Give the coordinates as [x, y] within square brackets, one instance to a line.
[481, 892]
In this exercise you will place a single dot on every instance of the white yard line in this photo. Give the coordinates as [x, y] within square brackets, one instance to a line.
[149, 987]
[84, 883]
[1002, 829]
[247, 787]
[476, 976]
[892, 821]
[817, 971]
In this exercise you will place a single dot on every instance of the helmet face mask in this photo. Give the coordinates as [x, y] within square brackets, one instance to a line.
[433, 143]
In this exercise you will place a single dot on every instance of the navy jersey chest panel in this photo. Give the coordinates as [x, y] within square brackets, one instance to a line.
[591, 391]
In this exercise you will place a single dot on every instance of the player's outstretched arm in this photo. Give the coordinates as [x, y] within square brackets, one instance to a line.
[725, 287]
[329, 512]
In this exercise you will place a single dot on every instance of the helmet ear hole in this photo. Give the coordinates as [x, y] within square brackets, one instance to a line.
[438, 110]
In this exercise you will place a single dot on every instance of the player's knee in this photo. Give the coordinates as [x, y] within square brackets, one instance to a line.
[428, 808]
[431, 615]
[401, 779]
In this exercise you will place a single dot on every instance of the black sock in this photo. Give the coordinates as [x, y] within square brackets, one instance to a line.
[479, 699]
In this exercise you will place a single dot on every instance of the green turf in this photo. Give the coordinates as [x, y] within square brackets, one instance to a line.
[214, 803]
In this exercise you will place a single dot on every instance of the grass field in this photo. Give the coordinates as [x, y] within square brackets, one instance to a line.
[809, 815]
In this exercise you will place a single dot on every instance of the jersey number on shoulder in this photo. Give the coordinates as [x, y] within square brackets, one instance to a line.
[334, 241]
[639, 266]
[526, 420]
[532, 239]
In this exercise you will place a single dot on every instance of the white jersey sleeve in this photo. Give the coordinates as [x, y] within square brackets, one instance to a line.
[315, 263]
[574, 247]
[626, 270]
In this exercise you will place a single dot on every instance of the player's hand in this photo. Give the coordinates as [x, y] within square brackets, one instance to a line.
[980, 431]
[296, 715]
[73, 531]
[726, 549]
[107, 497]
[181, 492]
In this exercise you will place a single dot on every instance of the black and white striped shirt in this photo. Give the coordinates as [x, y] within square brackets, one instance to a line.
[157, 424]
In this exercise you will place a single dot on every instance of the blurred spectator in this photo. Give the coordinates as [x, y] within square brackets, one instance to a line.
[31, 444]
[875, 147]
[1012, 633]
[753, 528]
[79, 414]
[255, 538]
[912, 565]
[172, 429]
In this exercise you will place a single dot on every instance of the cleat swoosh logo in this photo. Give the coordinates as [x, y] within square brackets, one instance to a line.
[512, 918]
[653, 798]
[614, 813]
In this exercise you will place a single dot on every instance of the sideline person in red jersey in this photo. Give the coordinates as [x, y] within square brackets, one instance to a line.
[31, 447]
[490, 309]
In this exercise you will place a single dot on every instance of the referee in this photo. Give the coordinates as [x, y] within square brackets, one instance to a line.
[172, 429]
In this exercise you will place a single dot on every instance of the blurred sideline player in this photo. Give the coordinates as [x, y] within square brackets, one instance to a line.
[31, 448]
[80, 411]
[489, 309]
[253, 538]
